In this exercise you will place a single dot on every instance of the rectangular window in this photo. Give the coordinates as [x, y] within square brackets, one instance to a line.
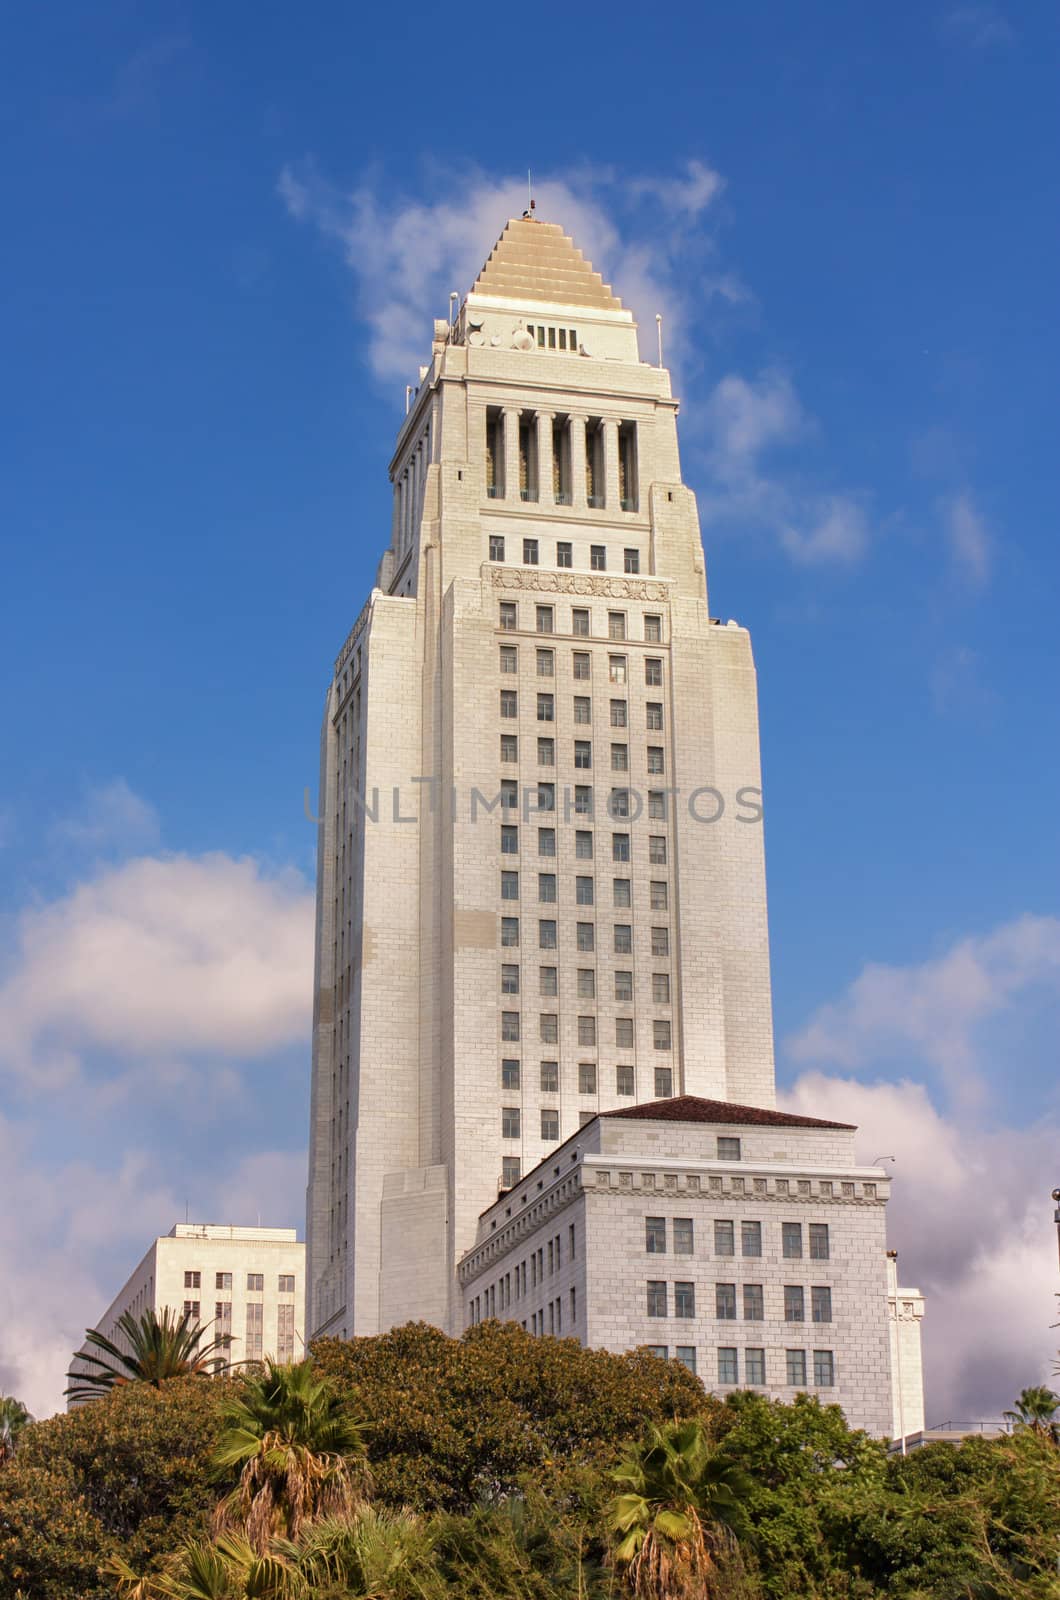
[623, 939]
[660, 1034]
[546, 797]
[511, 1170]
[509, 979]
[725, 1302]
[821, 1303]
[546, 708]
[549, 1125]
[193, 1309]
[791, 1240]
[550, 1077]
[660, 895]
[587, 983]
[684, 1236]
[509, 840]
[754, 1369]
[496, 547]
[193, 1280]
[583, 710]
[510, 1027]
[656, 760]
[583, 844]
[654, 715]
[623, 986]
[583, 800]
[598, 557]
[255, 1282]
[222, 1280]
[564, 553]
[624, 1033]
[624, 1081]
[728, 1364]
[655, 1235]
[586, 936]
[616, 669]
[653, 629]
[724, 1238]
[509, 886]
[620, 758]
[223, 1316]
[618, 803]
[622, 892]
[545, 618]
[583, 753]
[285, 1333]
[510, 1073]
[616, 624]
[728, 1149]
[751, 1238]
[664, 1083]
[255, 1331]
[546, 841]
[586, 1030]
[546, 753]
[510, 1120]
[546, 934]
[586, 1077]
[753, 1303]
[583, 891]
[619, 714]
[823, 1369]
[546, 887]
[660, 988]
[686, 1354]
[509, 747]
[620, 847]
[509, 794]
[652, 671]
[508, 616]
[819, 1248]
[509, 703]
[631, 560]
[795, 1361]
[509, 658]
[546, 663]
[794, 1303]
[549, 1029]
[661, 1351]
[657, 849]
[530, 552]
[580, 625]
[660, 941]
[656, 1298]
[684, 1299]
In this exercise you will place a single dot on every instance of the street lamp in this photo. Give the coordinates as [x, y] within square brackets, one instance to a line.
[1056, 1219]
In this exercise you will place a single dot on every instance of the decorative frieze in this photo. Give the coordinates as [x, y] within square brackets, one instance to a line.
[604, 585]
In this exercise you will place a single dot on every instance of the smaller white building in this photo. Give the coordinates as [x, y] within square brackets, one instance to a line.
[248, 1282]
[905, 1311]
[743, 1241]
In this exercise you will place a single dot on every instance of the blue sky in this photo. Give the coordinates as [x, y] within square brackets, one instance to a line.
[226, 231]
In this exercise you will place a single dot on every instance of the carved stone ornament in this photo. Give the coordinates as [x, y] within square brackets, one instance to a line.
[600, 584]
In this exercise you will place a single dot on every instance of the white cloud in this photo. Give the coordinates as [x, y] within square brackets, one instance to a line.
[746, 416]
[979, 26]
[111, 814]
[969, 538]
[406, 255]
[158, 957]
[971, 1218]
[935, 1008]
[834, 529]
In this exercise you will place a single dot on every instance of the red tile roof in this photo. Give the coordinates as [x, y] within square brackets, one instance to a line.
[690, 1108]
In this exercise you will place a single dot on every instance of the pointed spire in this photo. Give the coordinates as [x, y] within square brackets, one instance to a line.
[537, 261]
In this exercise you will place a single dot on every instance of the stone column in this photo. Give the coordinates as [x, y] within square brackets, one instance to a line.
[577, 460]
[611, 495]
[545, 420]
[511, 453]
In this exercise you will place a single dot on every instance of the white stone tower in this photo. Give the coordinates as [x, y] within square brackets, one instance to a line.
[541, 881]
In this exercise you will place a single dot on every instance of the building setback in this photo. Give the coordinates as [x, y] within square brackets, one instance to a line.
[541, 875]
[249, 1282]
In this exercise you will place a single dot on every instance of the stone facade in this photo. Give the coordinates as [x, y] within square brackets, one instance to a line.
[249, 1282]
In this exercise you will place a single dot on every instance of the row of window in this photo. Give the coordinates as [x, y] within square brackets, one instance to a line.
[581, 628]
[255, 1281]
[588, 1072]
[546, 712]
[584, 847]
[538, 797]
[548, 1029]
[683, 1230]
[583, 756]
[754, 1365]
[585, 939]
[511, 1116]
[585, 889]
[548, 984]
[517, 1284]
[753, 1298]
[253, 1343]
[564, 555]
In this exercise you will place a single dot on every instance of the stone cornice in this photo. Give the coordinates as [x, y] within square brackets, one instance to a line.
[602, 585]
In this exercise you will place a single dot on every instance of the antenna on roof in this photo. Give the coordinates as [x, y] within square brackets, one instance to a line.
[658, 324]
[529, 194]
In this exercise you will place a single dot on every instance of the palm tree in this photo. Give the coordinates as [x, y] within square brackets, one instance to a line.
[678, 1511]
[227, 1569]
[13, 1418]
[160, 1347]
[372, 1553]
[299, 1457]
[1036, 1409]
